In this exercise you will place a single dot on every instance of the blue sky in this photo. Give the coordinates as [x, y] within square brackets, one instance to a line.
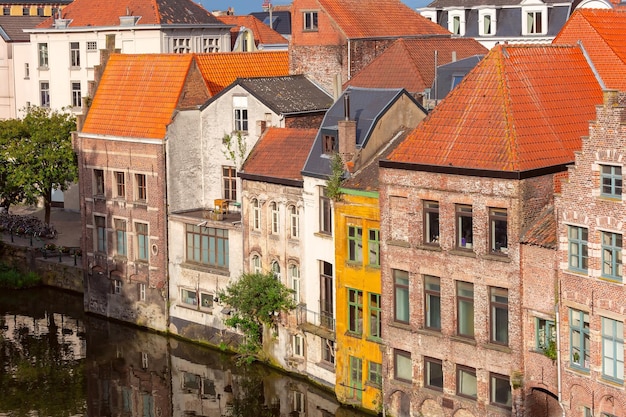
[246, 6]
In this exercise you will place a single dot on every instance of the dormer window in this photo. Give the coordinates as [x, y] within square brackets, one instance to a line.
[487, 22]
[456, 22]
[534, 19]
[430, 15]
[533, 23]
[329, 144]
[310, 20]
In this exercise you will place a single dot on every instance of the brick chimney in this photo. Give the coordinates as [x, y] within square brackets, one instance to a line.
[347, 133]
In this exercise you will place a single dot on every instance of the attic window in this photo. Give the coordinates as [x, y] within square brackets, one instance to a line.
[310, 20]
[328, 144]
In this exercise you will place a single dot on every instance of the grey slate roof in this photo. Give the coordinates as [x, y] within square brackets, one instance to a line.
[447, 71]
[285, 95]
[367, 105]
[11, 27]
[282, 21]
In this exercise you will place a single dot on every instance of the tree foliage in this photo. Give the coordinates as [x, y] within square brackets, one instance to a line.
[37, 156]
[333, 183]
[236, 148]
[257, 300]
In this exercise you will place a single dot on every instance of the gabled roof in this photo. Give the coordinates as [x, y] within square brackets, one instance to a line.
[522, 108]
[293, 146]
[286, 94]
[11, 27]
[603, 35]
[263, 35]
[151, 12]
[137, 95]
[282, 20]
[475, 3]
[410, 63]
[378, 18]
[367, 105]
[221, 69]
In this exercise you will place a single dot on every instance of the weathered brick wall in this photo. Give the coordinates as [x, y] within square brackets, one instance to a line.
[311, 121]
[320, 62]
[362, 52]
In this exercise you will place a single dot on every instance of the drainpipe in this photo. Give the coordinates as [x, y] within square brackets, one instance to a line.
[558, 341]
[349, 62]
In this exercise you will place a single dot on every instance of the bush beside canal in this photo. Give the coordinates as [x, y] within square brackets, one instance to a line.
[12, 278]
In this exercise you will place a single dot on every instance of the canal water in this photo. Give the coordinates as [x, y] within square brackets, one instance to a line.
[55, 361]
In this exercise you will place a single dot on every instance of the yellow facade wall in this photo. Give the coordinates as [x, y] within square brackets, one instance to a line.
[358, 211]
[16, 10]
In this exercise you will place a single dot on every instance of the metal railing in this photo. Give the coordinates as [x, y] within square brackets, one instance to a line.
[317, 318]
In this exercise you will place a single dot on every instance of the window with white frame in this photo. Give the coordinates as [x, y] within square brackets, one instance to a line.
[535, 21]
[76, 94]
[256, 214]
[456, 22]
[141, 287]
[487, 22]
[26, 71]
[276, 269]
[42, 50]
[294, 222]
[613, 349]
[75, 54]
[92, 46]
[275, 216]
[310, 20]
[294, 277]
[181, 45]
[612, 255]
[240, 109]
[117, 286]
[256, 264]
[210, 45]
[611, 181]
[206, 300]
[44, 93]
[297, 344]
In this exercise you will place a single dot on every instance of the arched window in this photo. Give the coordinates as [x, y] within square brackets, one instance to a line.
[294, 222]
[276, 270]
[256, 264]
[256, 214]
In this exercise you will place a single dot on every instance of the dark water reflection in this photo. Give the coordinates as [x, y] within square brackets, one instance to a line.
[55, 361]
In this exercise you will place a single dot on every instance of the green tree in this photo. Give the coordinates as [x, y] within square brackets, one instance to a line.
[333, 183]
[10, 192]
[257, 300]
[43, 156]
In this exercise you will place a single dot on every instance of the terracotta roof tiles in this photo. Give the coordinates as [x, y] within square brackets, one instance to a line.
[520, 108]
[542, 232]
[263, 34]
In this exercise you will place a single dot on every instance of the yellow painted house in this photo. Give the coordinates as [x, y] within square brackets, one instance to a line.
[359, 356]
[32, 8]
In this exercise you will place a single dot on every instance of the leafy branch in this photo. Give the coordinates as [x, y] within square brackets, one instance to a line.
[333, 183]
[236, 148]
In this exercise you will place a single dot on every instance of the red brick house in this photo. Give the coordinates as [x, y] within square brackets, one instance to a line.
[456, 197]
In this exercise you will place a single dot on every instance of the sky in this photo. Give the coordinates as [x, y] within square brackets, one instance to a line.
[243, 7]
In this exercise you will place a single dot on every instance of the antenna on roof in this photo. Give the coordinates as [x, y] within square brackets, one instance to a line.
[267, 7]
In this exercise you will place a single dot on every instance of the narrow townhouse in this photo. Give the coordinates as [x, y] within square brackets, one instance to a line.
[357, 126]
[456, 196]
[591, 224]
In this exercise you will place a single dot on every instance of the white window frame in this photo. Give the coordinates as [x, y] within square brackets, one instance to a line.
[43, 55]
[543, 10]
[256, 214]
[481, 22]
[91, 46]
[210, 45]
[142, 291]
[460, 14]
[74, 54]
[76, 94]
[294, 278]
[181, 45]
[312, 17]
[297, 344]
[275, 216]
[255, 263]
[44, 93]
[294, 222]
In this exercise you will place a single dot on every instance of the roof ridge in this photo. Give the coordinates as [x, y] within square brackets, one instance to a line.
[156, 11]
[511, 137]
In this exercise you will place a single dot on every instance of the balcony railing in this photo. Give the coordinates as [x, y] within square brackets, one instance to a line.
[318, 318]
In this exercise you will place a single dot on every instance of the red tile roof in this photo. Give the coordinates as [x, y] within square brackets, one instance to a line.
[520, 108]
[137, 95]
[293, 145]
[410, 63]
[378, 18]
[542, 232]
[221, 69]
[603, 35]
[152, 12]
[263, 34]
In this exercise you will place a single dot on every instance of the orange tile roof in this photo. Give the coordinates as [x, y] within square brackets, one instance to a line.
[520, 108]
[137, 95]
[410, 63]
[263, 34]
[220, 70]
[603, 35]
[542, 232]
[378, 18]
[107, 13]
[293, 145]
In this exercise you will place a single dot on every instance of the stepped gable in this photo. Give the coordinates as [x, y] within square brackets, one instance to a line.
[521, 108]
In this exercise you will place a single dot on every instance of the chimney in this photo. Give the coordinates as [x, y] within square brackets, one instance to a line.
[261, 125]
[336, 86]
[347, 133]
[453, 56]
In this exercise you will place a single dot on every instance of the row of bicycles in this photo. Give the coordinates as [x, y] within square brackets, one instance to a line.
[20, 225]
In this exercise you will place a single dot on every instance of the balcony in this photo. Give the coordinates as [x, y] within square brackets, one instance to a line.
[320, 323]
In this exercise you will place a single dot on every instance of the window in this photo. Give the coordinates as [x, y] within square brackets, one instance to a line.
[117, 286]
[98, 178]
[432, 304]
[40, 12]
[120, 237]
[356, 377]
[328, 144]
[141, 229]
[310, 20]
[276, 270]
[545, 334]
[256, 264]
[294, 222]
[326, 295]
[465, 308]
[241, 120]
[533, 23]
[431, 222]
[375, 313]
[299, 404]
[74, 54]
[101, 233]
[373, 248]
[578, 256]
[6, 11]
[466, 382]
[297, 345]
[579, 338]
[355, 311]
[275, 216]
[433, 373]
[210, 45]
[487, 29]
[328, 351]
[76, 95]
[229, 178]
[326, 218]
[294, 277]
[500, 390]
[375, 373]
[120, 184]
[612, 255]
[498, 241]
[92, 46]
[613, 349]
[456, 79]
[355, 244]
[181, 45]
[44, 93]
[401, 296]
[142, 291]
[26, 71]
[611, 179]
[499, 302]
[42, 49]
[403, 368]
[141, 188]
[256, 214]
[207, 246]
[206, 300]
[456, 25]
[464, 239]
[189, 297]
